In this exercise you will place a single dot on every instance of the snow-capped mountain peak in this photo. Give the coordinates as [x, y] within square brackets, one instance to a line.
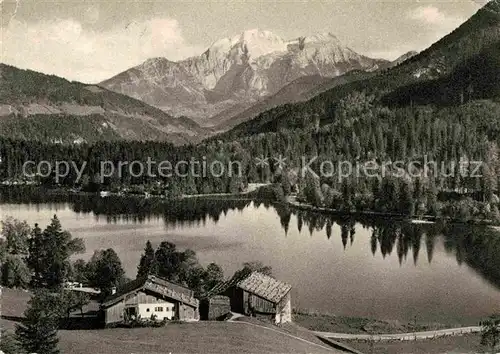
[259, 43]
[236, 71]
[253, 43]
[322, 38]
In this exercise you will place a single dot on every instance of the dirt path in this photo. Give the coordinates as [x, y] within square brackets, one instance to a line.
[232, 320]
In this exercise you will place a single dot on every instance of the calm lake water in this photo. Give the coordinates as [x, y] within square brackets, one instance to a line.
[380, 269]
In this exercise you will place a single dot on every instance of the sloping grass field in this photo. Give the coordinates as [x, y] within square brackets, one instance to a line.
[198, 337]
[253, 336]
[201, 337]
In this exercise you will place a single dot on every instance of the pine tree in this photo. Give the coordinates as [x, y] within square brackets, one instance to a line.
[9, 344]
[406, 201]
[58, 256]
[285, 182]
[146, 262]
[347, 195]
[49, 254]
[38, 332]
[431, 195]
[36, 256]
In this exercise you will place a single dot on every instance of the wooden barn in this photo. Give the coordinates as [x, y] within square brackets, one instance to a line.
[150, 297]
[215, 308]
[258, 294]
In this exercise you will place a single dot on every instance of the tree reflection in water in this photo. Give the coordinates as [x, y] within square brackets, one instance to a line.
[476, 246]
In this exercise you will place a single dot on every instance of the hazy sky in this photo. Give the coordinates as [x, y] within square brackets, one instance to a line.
[90, 41]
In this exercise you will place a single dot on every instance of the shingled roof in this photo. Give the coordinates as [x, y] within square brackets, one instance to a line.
[256, 283]
[226, 284]
[157, 285]
[265, 287]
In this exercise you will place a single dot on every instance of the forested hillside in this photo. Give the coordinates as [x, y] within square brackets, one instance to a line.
[47, 108]
[456, 57]
[440, 107]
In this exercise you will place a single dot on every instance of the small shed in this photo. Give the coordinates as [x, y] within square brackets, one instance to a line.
[150, 297]
[257, 293]
[215, 308]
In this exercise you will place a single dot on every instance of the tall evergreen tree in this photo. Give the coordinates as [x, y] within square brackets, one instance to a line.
[9, 344]
[38, 331]
[49, 256]
[36, 258]
[347, 194]
[57, 252]
[147, 261]
[406, 201]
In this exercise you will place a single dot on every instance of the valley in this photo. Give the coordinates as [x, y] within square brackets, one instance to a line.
[245, 179]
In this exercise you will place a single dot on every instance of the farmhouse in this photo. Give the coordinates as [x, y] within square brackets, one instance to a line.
[150, 297]
[257, 293]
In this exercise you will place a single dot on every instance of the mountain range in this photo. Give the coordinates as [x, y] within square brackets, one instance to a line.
[460, 67]
[35, 106]
[252, 83]
[235, 73]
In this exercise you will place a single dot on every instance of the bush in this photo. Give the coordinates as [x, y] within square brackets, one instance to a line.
[144, 323]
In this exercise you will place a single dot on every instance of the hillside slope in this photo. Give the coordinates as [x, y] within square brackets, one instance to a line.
[299, 90]
[476, 78]
[202, 337]
[199, 337]
[458, 57]
[35, 106]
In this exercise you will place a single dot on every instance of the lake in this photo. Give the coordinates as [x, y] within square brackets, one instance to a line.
[373, 268]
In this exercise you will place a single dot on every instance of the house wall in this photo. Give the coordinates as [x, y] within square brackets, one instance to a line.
[284, 310]
[245, 302]
[142, 301]
[215, 308]
[115, 313]
[188, 313]
[253, 303]
[248, 303]
[162, 310]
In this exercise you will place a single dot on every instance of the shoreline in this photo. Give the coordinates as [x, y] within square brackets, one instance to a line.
[426, 219]
[346, 327]
[410, 336]
[290, 201]
[351, 324]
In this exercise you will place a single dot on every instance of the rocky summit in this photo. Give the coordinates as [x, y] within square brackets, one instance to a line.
[234, 73]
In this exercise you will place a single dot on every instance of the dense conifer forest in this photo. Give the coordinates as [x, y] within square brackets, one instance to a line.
[439, 107]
